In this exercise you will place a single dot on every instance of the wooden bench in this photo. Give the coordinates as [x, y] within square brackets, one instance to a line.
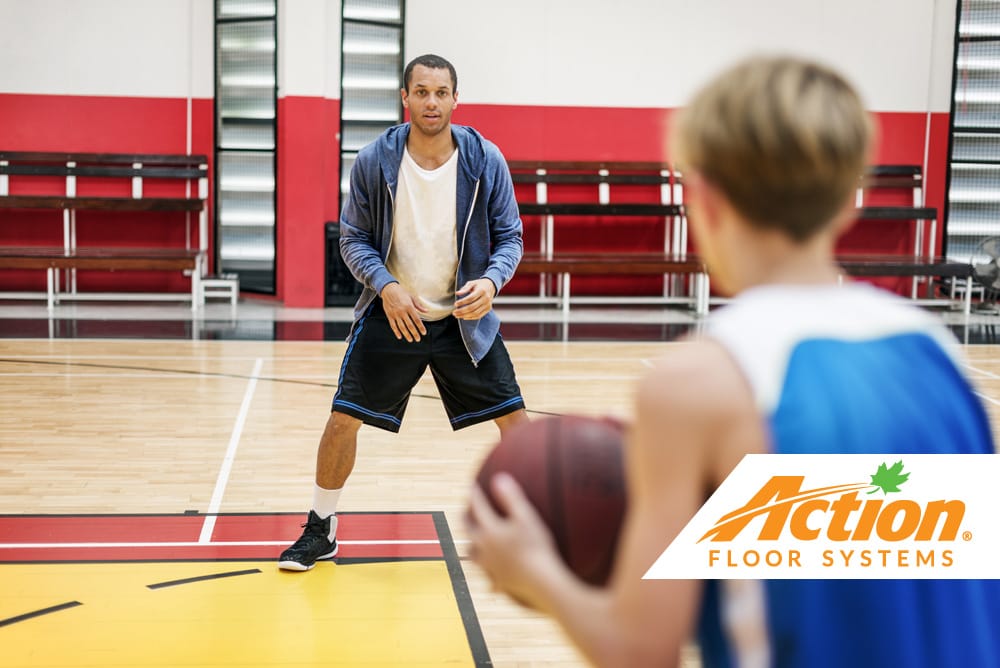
[123, 177]
[565, 265]
[602, 174]
[873, 265]
[120, 259]
[660, 186]
[903, 184]
[924, 264]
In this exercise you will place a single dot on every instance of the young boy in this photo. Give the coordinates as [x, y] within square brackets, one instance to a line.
[771, 152]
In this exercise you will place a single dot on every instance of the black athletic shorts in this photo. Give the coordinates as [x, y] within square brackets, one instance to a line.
[379, 371]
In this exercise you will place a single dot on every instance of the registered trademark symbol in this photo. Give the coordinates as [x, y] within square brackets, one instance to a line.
[966, 536]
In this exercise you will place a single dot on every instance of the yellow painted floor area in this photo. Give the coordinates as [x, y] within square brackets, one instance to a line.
[371, 614]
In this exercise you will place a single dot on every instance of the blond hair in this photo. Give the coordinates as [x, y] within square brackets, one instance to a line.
[785, 140]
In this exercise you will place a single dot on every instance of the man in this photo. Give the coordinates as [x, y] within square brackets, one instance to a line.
[431, 229]
[771, 153]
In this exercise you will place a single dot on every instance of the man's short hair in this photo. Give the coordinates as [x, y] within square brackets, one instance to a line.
[785, 140]
[433, 62]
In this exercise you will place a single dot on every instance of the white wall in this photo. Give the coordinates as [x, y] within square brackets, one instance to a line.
[143, 48]
[941, 59]
[309, 48]
[655, 53]
[624, 53]
[154, 48]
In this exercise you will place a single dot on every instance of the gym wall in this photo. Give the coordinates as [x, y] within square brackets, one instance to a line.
[550, 79]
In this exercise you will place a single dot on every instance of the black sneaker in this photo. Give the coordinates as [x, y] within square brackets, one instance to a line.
[312, 546]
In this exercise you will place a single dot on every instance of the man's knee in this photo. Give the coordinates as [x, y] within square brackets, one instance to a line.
[511, 420]
[342, 423]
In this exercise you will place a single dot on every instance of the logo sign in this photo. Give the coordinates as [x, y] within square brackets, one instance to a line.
[847, 517]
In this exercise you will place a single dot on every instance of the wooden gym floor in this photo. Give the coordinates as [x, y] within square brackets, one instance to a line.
[147, 486]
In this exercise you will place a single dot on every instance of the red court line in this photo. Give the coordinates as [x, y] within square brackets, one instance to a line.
[82, 538]
[100, 529]
[350, 527]
[206, 552]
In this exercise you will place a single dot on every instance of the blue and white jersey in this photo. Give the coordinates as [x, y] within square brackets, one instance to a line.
[851, 369]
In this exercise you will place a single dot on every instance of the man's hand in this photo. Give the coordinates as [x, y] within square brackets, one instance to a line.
[403, 311]
[476, 299]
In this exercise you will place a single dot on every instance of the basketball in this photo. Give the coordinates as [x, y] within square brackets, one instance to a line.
[571, 469]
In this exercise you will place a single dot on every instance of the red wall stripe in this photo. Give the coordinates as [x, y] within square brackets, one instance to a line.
[642, 134]
[308, 174]
[95, 124]
[571, 133]
[86, 123]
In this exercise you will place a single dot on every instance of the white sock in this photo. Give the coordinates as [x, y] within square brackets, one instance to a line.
[325, 505]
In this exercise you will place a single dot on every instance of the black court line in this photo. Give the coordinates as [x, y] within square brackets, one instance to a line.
[202, 578]
[214, 374]
[39, 613]
[473, 632]
[351, 561]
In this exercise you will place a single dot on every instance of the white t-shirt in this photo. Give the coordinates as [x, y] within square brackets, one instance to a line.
[423, 255]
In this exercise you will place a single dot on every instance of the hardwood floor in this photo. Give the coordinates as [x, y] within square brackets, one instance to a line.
[109, 427]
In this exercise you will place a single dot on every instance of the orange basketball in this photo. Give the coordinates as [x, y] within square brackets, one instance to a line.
[571, 468]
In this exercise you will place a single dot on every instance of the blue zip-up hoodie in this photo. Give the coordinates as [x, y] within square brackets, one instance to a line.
[489, 225]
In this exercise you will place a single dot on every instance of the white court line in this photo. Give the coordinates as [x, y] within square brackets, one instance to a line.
[72, 357]
[646, 363]
[220, 543]
[576, 377]
[227, 463]
[986, 398]
[310, 378]
[988, 374]
[70, 374]
[575, 360]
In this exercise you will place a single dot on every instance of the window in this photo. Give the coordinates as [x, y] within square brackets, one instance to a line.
[245, 140]
[371, 70]
[974, 182]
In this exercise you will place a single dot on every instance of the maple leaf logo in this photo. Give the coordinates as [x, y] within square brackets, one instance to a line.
[888, 479]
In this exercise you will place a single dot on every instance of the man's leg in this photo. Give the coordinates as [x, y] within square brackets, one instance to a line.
[334, 463]
[337, 449]
[507, 422]
[376, 377]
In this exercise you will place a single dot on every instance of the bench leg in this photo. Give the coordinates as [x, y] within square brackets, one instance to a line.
[196, 294]
[701, 294]
[565, 296]
[706, 294]
[968, 298]
[50, 287]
